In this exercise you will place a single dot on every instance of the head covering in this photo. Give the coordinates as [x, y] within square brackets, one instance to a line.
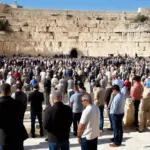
[127, 83]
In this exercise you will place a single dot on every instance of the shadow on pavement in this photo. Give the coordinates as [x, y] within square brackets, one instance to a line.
[102, 141]
[42, 145]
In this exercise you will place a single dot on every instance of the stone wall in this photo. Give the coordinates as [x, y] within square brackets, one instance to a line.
[145, 11]
[93, 33]
[3, 8]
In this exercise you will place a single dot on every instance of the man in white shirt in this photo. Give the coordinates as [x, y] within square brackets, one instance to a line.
[88, 129]
[54, 81]
[43, 76]
[10, 80]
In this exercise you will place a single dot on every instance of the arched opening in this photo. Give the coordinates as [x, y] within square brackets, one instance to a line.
[74, 53]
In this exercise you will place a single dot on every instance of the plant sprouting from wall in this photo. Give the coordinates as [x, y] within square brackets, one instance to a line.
[140, 18]
[4, 24]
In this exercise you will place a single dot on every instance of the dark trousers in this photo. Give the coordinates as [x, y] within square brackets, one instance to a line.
[18, 146]
[101, 108]
[109, 116]
[59, 146]
[47, 98]
[117, 121]
[136, 112]
[89, 144]
[33, 118]
[110, 121]
[76, 120]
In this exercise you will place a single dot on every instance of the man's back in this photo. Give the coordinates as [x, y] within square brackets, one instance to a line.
[20, 96]
[136, 91]
[117, 105]
[47, 86]
[57, 122]
[75, 99]
[33, 82]
[36, 98]
[99, 96]
[12, 130]
[70, 84]
[90, 117]
[118, 82]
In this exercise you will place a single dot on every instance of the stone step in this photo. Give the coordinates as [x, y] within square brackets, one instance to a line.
[27, 113]
[27, 124]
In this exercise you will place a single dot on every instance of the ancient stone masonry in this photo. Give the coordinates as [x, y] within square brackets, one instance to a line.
[93, 33]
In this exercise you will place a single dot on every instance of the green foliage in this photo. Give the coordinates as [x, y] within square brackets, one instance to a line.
[69, 16]
[140, 18]
[55, 14]
[25, 24]
[4, 24]
[89, 18]
[99, 18]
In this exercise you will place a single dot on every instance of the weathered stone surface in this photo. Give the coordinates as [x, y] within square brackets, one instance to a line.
[93, 33]
[129, 113]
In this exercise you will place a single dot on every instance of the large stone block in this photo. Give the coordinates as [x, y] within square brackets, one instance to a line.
[42, 29]
[64, 23]
[73, 28]
[15, 28]
[57, 29]
[25, 29]
[84, 29]
[129, 113]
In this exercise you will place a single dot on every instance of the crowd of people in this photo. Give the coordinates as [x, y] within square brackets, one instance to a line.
[53, 81]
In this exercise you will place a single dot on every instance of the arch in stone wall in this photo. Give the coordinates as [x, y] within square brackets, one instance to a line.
[74, 53]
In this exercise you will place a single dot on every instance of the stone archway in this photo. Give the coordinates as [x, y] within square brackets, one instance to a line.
[74, 53]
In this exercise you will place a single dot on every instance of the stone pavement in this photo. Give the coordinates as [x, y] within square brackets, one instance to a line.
[132, 141]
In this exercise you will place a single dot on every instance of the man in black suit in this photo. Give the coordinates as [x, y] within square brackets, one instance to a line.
[19, 95]
[57, 122]
[47, 90]
[36, 98]
[12, 130]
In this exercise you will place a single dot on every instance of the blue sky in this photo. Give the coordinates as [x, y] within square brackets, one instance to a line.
[124, 5]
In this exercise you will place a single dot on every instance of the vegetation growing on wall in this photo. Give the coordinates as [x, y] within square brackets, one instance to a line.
[69, 16]
[140, 18]
[99, 18]
[55, 15]
[4, 24]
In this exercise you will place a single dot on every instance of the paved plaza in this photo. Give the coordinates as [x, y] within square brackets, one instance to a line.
[132, 141]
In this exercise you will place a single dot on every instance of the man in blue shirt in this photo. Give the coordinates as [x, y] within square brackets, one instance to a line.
[118, 82]
[77, 107]
[117, 113]
[33, 82]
